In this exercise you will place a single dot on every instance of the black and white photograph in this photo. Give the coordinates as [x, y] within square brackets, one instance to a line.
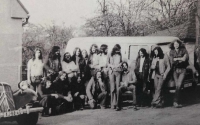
[99, 62]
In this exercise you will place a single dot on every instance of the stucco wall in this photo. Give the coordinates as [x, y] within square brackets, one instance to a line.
[10, 45]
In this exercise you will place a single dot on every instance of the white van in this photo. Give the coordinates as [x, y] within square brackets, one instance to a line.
[130, 47]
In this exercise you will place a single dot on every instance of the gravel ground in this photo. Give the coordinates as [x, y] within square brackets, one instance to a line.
[188, 115]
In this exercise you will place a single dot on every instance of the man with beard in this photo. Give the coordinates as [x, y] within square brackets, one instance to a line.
[142, 65]
[69, 66]
[127, 84]
[53, 63]
[96, 91]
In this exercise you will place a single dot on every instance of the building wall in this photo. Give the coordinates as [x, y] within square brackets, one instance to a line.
[10, 44]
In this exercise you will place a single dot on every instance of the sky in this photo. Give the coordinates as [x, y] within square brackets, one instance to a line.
[70, 12]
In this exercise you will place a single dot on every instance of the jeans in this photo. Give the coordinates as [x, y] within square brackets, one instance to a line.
[78, 102]
[114, 86]
[158, 85]
[179, 75]
[101, 99]
[141, 90]
[123, 89]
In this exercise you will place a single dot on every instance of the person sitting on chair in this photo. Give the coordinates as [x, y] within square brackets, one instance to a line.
[127, 84]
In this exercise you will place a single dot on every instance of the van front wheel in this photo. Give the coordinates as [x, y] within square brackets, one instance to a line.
[30, 119]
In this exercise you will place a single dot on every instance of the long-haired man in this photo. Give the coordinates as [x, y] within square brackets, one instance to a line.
[142, 74]
[114, 64]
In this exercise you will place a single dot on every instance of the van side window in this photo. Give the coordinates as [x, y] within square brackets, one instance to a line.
[133, 51]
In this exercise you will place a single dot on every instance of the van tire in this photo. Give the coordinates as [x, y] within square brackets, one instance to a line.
[31, 119]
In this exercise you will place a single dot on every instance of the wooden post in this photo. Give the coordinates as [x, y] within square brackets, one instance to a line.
[197, 23]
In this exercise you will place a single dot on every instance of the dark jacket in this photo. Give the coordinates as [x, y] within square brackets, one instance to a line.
[86, 71]
[44, 92]
[78, 87]
[61, 87]
[49, 64]
[145, 68]
[176, 64]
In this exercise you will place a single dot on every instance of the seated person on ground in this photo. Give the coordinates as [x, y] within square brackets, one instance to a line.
[62, 87]
[46, 97]
[78, 92]
[96, 91]
[127, 84]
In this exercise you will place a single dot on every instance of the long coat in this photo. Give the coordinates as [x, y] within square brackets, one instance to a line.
[145, 68]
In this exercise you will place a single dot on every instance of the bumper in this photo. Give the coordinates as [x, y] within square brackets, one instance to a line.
[20, 112]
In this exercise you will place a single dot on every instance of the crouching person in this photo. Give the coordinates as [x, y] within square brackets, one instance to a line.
[78, 92]
[127, 84]
[96, 91]
[62, 88]
[46, 96]
[50, 99]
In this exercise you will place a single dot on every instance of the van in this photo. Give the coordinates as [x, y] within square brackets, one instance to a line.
[130, 47]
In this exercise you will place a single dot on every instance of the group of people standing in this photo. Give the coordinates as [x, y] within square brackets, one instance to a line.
[101, 78]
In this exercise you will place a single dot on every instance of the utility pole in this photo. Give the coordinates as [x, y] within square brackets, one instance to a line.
[104, 8]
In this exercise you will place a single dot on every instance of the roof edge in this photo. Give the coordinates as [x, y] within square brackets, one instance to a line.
[20, 3]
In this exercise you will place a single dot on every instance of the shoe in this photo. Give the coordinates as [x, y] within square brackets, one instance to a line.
[45, 112]
[153, 105]
[118, 109]
[113, 107]
[138, 105]
[159, 106]
[180, 106]
[135, 108]
[82, 107]
[176, 105]
[102, 107]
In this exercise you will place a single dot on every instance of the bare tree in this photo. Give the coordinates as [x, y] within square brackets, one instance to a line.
[44, 37]
[168, 13]
[137, 17]
[105, 23]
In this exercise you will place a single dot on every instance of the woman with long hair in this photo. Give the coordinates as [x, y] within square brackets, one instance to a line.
[35, 69]
[78, 92]
[179, 59]
[78, 59]
[86, 71]
[161, 67]
[142, 72]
